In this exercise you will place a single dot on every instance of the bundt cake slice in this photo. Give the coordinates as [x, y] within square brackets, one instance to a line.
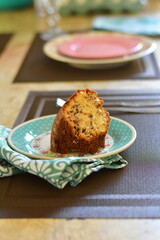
[81, 124]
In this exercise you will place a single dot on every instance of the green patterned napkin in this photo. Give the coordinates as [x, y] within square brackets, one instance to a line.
[58, 172]
[147, 25]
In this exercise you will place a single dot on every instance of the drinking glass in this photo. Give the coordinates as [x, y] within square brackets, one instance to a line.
[49, 9]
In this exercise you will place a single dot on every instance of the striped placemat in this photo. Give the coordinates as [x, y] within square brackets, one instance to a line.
[4, 38]
[132, 192]
[37, 67]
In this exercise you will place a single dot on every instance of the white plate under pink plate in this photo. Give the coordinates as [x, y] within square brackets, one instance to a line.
[77, 51]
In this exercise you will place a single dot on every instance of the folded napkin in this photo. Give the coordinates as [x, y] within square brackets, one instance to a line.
[147, 25]
[58, 172]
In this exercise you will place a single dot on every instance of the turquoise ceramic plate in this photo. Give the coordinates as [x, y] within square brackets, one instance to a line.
[32, 138]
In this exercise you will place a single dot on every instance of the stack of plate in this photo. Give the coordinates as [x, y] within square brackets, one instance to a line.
[97, 50]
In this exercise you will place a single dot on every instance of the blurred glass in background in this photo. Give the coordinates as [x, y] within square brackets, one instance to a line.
[49, 10]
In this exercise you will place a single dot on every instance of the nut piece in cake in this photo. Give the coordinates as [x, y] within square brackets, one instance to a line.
[81, 124]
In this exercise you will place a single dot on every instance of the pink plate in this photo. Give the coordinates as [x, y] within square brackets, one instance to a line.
[100, 47]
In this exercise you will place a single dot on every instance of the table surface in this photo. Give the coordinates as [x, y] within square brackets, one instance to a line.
[24, 24]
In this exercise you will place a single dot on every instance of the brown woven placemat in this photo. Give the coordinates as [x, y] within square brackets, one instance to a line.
[4, 38]
[39, 68]
[132, 192]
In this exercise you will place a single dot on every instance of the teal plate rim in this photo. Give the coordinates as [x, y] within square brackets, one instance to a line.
[122, 133]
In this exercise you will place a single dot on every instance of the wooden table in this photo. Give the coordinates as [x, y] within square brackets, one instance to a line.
[24, 24]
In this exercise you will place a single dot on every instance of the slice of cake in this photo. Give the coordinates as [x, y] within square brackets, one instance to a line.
[81, 124]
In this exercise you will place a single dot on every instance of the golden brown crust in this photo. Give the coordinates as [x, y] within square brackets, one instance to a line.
[63, 137]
